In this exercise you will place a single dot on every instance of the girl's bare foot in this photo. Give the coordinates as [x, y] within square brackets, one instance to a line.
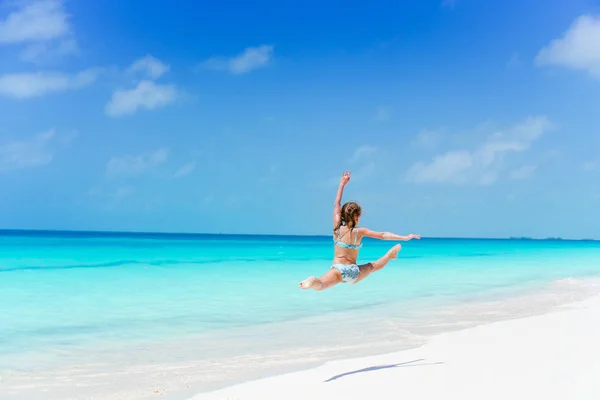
[393, 252]
[307, 283]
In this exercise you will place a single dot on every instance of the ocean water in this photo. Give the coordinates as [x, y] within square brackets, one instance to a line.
[181, 314]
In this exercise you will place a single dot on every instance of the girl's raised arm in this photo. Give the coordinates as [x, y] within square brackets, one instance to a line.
[337, 206]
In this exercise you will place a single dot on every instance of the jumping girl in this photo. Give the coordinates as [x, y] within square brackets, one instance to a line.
[347, 242]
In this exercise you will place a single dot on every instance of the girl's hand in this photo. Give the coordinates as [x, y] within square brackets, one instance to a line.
[413, 236]
[345, 178]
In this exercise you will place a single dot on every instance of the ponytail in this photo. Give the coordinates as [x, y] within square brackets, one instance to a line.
[348, 215]
[339, 223]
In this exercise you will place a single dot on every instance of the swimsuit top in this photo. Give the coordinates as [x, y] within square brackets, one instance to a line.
[354, 246]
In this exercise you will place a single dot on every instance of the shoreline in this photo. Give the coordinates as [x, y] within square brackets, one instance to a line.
[525, 302]
[553, 355]
[179, 377]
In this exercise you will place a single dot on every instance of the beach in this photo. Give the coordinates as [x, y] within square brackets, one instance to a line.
[299, 200]
[119, 316]
[552, 356]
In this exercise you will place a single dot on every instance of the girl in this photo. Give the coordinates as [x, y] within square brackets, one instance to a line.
[347, 242]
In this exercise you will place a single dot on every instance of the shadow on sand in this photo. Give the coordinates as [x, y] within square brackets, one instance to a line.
[378, 367]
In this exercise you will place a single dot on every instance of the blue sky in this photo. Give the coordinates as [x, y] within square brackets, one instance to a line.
[457, 118]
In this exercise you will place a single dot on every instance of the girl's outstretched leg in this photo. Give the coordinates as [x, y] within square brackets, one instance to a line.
[391, 255]
[331, 278]
[366, 269]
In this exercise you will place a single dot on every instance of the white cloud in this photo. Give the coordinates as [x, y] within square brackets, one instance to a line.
[578, 48]
[45, 52]
[136, 165]
[250, 59]
[185, 170]
[363, 152]
[151, 66]
[523, 173]
[146, 95]
[36, 21]
[30, 153]
[448, 167]
[429, 139]
[483, 164]
[44, 27]
[383, 113]
[35, 84]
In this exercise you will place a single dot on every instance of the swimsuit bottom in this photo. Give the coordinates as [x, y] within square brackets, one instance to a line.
[349, 272]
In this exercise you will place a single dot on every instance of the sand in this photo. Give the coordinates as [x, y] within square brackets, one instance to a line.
[550, 356]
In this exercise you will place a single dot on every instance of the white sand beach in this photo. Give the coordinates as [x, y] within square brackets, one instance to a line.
[550, 356]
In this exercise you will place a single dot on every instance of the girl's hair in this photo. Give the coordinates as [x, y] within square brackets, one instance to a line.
[350, 211]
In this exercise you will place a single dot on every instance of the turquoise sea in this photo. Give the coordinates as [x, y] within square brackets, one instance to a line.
[143, 313]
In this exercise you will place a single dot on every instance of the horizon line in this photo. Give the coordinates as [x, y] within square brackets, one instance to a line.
[4, 231]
